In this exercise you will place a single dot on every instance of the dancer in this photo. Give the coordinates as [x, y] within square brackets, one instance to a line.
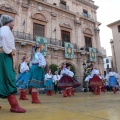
[95, 82]
[112, 80]
[37, 74]
[67, 82]
[7, 73]
[56, 78]
[49, 83]
[22, 80]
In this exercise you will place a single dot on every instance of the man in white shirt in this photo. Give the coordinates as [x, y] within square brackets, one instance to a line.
[7, 73]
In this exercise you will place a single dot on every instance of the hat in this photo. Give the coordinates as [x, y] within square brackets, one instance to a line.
[5, 19]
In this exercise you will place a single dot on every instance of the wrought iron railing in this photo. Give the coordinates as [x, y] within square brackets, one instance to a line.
[26, 36]
[87, 49]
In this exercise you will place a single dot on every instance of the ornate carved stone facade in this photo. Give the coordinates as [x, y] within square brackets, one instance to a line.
[55, 17]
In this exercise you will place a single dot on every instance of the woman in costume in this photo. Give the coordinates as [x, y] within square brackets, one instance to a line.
[37, 74]
[8, 87]
[49, 83]
[22, 80]
[112, 80]
[56, 78]
[95, 82]
[67, 82]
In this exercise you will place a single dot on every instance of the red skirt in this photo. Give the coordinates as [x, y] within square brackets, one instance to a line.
[95, 82]
[67, 81]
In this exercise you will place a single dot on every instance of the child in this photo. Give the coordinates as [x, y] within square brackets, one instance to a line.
[22, 80]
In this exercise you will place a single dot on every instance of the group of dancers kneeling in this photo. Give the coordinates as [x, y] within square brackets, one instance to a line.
[97, 82]
[35, 78]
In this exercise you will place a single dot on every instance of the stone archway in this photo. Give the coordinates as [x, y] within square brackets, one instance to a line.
[72, 66]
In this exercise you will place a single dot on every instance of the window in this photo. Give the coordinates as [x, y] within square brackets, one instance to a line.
[88, 41]
[118, 28]
[63, 5]
[107, 61]
[65, 35]
[85, 13]
[38, 30]
[107, 66]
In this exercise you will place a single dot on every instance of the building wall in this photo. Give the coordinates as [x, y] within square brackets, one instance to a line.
[115, 45]
[55, 18]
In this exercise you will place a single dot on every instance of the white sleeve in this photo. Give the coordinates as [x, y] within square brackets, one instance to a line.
[53, 78]
[117, 75]
[42, 61]
[70, 73]
[58, 77]
[46, 77]
[8, 42]
[107, 77]
[24, 67]
[88, 78]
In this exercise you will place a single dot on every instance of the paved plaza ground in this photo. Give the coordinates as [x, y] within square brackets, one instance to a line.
[83, 106]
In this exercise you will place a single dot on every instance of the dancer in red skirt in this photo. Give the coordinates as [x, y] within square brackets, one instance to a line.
[95, 82]
[67, 82]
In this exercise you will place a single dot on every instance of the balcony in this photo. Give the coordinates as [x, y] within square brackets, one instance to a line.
[29, 37]
[85, 50]
[86, 15]
[64, 7]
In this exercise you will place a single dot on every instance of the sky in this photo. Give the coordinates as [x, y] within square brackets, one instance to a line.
[108, 12]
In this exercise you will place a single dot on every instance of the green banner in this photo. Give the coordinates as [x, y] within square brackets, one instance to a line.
[69, 50]
[92, 52]
[43, 44]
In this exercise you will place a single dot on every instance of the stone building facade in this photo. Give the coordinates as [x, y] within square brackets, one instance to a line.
[58, 21]
[115, 44]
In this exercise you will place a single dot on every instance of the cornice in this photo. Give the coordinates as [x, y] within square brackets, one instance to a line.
[88, 3]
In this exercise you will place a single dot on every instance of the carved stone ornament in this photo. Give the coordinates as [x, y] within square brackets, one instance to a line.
[77, 21]
[40, 8]
[39, 16]
[25, 5]
[66, 24]
[88, 31]
[53, 14]
[8, 8]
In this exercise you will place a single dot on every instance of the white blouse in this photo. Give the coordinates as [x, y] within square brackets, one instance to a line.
[56, 78]
[112, 74]
[7, 39]
[67, 72]
[95, 71]
[39, 58]
[24, 67]
[88, 78]
[48, 76]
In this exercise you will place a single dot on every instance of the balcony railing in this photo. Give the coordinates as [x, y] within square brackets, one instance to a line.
[87, 49]
[26, 36]
[43, 0]
[86, 15]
